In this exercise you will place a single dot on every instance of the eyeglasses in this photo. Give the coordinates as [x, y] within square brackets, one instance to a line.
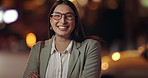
[69, 16]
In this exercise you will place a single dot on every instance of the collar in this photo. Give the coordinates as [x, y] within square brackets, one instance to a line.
[68, 49]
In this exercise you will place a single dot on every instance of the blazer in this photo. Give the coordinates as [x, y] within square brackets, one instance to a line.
[84, 62]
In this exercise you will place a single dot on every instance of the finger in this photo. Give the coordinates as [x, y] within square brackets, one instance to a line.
[33, 75]
[36, 73]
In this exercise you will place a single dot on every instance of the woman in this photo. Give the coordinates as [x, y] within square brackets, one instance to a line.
[67, 54]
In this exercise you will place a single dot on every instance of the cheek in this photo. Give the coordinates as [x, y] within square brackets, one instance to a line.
[53, 22]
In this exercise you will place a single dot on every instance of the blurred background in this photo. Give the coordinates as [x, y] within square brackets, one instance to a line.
[122, 26]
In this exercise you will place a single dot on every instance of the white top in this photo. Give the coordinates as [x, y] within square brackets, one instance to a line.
[58, 62]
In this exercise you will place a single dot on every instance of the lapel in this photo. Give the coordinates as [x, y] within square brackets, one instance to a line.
[73, 58]
[45, 55]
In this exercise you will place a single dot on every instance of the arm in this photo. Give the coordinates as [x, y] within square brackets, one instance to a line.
[92, 67]
[32, 61]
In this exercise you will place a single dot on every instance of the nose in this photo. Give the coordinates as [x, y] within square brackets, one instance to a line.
[63, 19]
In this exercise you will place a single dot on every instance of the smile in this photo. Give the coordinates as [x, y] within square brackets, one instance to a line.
[63, 27]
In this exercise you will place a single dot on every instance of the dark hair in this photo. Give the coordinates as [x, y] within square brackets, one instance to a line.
[77, 34]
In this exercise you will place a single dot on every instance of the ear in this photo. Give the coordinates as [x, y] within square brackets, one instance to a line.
[51, 20]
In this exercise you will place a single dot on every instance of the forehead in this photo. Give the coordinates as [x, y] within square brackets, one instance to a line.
[63, 8]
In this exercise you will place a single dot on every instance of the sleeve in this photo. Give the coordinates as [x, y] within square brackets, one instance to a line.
[32, 63]
[92, 67]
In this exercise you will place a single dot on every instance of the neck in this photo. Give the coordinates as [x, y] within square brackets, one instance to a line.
[61, 43]
[61, 39]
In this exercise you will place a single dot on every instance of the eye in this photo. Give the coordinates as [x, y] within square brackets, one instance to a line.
[69, 15]
[56, 15]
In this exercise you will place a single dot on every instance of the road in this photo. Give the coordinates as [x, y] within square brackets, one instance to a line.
[12, 64]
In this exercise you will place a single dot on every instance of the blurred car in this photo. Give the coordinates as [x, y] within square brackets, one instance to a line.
[126, 64]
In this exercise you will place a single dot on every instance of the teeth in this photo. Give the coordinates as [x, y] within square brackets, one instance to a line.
[62, 27]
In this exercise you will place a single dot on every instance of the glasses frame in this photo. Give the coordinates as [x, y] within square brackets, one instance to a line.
[61, 14]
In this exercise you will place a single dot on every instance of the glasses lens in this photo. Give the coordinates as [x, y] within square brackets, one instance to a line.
[69, 16]
[56, 16]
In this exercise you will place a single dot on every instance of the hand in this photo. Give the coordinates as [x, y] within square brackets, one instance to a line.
[34, 74]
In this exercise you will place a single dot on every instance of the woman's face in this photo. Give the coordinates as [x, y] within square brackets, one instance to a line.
[63, 20]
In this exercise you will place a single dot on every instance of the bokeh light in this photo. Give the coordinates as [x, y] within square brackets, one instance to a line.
[30, 39]
[72, 0]
[1, 16]
[82, 2]
[111, 4]
[40, 2]
[144, 3]
[116, 56]
[97, 0]
[93, 6]
[104, 66]
[105, 59]
[10, 16]
[142, 48]
[105, 63]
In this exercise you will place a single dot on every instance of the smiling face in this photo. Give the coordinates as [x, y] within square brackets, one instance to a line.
[63, 21]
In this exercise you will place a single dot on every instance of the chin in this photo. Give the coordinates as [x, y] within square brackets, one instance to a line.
[63, 35]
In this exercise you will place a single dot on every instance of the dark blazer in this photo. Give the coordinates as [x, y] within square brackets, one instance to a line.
[85, 59]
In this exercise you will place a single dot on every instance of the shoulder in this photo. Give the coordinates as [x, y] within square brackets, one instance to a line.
[93, 40]
[89, 46]
[38, 44]
[90, 41]
[43, 43]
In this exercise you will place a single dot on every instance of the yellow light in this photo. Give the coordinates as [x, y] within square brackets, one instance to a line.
[82, 2]
[72, 0]
[30, 39]
[97, 0]
[141, 49]
[104, 66]
[105, 59]
[116, 56]
[39, 2]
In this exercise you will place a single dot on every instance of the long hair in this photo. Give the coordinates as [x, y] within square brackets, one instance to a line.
[77, 34]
